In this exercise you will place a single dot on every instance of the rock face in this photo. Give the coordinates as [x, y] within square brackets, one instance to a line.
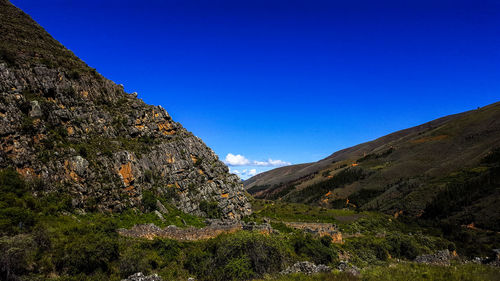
[80, 134]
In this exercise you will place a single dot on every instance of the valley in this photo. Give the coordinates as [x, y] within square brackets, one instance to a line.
[96, 184]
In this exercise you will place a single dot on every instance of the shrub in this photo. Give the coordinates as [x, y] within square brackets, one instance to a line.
[148, 200]
[318, 250]
[87, 248]
[243, 255]
[402, 246]
[17, 256]
[211, 209]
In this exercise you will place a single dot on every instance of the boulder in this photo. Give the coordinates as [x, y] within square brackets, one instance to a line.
[141, 277]
[440, 258]
[306, 268]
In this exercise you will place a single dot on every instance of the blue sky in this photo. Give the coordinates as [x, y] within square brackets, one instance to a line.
[280, 82]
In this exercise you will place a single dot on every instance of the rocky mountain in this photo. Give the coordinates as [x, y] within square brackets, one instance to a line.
[447, 168]
[69, 129]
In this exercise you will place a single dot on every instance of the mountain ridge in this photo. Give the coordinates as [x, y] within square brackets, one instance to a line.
[65, 125]
[400, 172]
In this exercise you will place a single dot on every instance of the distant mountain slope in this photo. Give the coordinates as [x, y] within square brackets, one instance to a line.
[404, 172]
[73, 131]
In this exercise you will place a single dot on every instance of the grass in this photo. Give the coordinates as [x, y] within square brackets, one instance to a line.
[405, 272]
[413, 271]
[296, 212]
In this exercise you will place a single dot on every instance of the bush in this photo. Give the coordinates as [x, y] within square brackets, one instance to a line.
[86, 249]
[17, 256]
[319, 250]
[148, 200]
[243, 255]
[211, 209]
[402, 246]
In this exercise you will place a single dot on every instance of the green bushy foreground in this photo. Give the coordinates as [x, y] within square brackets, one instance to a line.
[406, 272]
[43, 238]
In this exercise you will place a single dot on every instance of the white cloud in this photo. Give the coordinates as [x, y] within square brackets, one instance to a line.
[248, 170]
[244, 174]
[271, 162]
[236, 160]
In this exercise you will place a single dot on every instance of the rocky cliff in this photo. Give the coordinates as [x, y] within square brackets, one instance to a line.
[71, 130]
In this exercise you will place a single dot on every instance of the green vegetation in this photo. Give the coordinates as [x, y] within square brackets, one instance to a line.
[376, 155]
[44, 239]
[283, 211]
[406, 272]
[211, 209]
[315, 191]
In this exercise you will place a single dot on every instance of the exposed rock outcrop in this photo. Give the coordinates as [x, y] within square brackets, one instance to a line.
[213, 229]
[346, 267]
[63, 123]
[321, 229]
[151, 231]
[141, 277]
[306, 268]
[440, 258]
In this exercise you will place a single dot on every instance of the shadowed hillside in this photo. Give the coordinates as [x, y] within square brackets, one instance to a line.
[406, 172]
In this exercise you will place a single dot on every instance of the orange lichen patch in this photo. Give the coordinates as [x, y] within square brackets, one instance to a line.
[193, 158]
[126, 173]
[2, 115]
[428, 139]
[84, 94]
[397, 214]
[354, 164]
[329, 193]
[61, 106]
[177, 185]
[51, 100]
[170, 158]
[140, 127]
[26, 172]
[224, 195]
[471, 226]
[38, 138]
[74, 176]
[347, 204]
[166, 128]
[129, 188]
[200, 171]
[70, 130]
[87, 130]
[70, 174]
[138, 121]
[324, 201]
